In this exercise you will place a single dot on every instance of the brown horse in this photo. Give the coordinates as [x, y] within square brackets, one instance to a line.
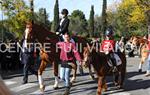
[99, 62]
[142, 44]
[44, 36]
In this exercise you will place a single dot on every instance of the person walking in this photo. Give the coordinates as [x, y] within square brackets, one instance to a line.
[27, 53]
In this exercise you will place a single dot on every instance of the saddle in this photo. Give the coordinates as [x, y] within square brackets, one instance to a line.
[117, 59]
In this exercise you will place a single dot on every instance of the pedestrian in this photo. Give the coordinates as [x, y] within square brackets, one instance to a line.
[67, 55]
[27, 54]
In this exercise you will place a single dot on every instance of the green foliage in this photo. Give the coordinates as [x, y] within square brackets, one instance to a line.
[129, 18]
[78, 23]
[98, 25]
[17, 14]
[41, 17]
[104, 16]
[56, 16]
[91, 22]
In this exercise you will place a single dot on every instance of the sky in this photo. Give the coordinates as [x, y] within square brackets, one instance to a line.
[83, 5]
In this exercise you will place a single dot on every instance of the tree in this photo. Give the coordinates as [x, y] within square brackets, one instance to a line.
[91, 21]
[97, 25]
[78, 23]
[32, 10]
[134, 16]
[104, 16]
[129, 18]
[144, 4]
[17, 13]
[56, 15]
[42, 18]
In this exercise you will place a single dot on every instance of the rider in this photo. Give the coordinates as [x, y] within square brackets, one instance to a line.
[62, 28]
[108, 47]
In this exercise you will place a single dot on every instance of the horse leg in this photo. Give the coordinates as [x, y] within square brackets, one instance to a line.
[40, 71]
[90, 72]
[116, 79]
[55, 67]
[140, 65]
[100, 85]
[104, 86]
[122, 77]
[74, 66]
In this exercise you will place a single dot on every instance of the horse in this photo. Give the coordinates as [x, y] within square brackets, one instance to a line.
[99, 62]
[43, 35]
[142, 44]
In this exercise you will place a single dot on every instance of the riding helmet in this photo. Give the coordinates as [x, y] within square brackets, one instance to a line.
[109, 32]
[64, 11]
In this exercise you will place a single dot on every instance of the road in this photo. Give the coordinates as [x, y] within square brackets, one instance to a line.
[135, 83]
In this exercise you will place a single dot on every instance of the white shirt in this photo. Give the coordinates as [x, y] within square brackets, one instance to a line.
[25, 40]
[61, 23]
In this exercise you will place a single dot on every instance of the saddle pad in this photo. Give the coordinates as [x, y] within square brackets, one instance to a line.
[118, 60]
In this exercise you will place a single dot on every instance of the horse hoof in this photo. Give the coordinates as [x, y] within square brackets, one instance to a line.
[67, 91]
[73, 80]
[140, 70]
[146, 75]
[92, 77]
[119, 87]
[42, 88]
[104, 90]
[55, 88]
[116, 84]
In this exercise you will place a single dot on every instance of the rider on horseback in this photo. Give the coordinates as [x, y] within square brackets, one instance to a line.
[62, 28]
[108, 47]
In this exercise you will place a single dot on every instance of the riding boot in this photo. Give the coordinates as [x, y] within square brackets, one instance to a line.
[67, 91]
[114, 65]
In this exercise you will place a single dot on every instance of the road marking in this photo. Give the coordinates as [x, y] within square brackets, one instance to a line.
[23, 87]
[9, 82]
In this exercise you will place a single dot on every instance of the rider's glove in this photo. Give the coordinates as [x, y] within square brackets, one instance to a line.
[57, 33]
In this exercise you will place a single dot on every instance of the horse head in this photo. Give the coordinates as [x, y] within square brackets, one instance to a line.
[89, 51]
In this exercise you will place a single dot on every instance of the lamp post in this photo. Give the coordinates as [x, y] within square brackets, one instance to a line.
[2, 19]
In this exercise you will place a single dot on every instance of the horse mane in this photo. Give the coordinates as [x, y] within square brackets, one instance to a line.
[41, 33]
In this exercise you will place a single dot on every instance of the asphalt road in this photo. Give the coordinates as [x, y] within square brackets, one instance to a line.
[135, 83]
